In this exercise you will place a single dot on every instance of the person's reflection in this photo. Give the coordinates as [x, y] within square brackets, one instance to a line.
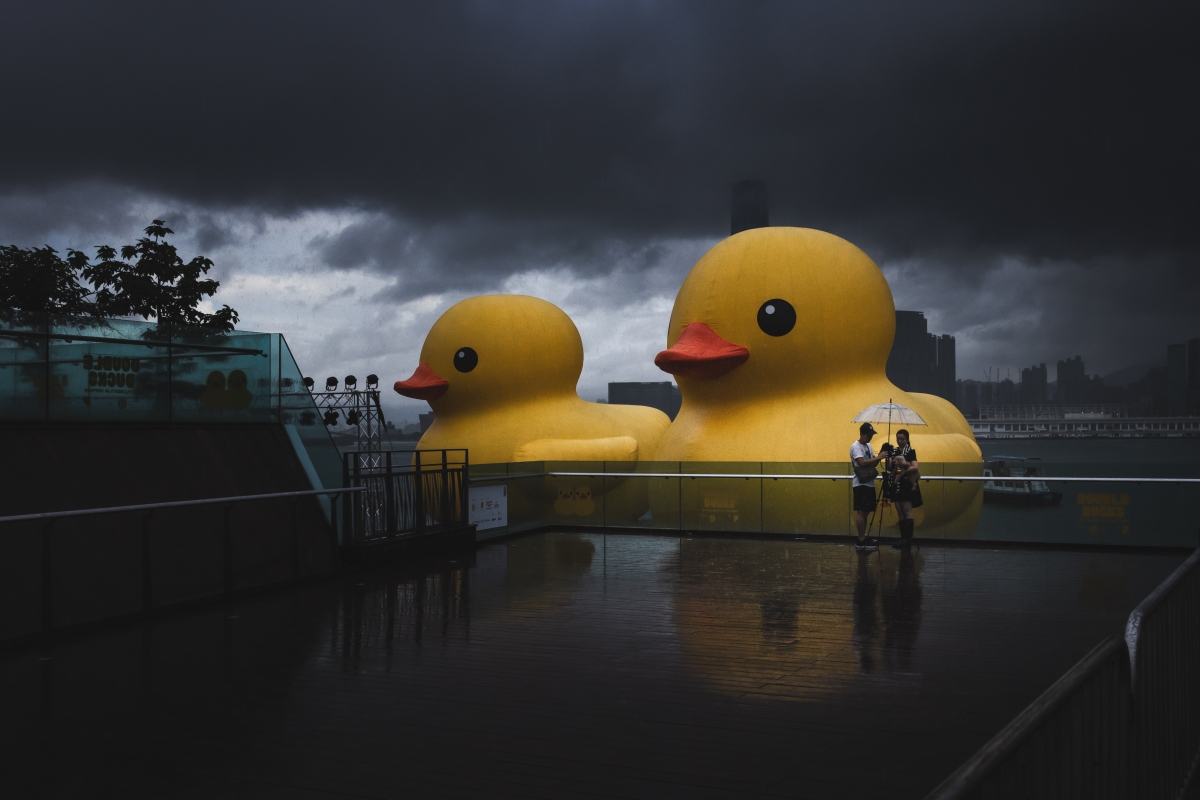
[902, 613]
[865, 618]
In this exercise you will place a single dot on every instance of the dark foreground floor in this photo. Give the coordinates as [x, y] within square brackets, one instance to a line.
[567, 665]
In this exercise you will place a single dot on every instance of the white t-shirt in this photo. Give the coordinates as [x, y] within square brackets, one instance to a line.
[859, 450]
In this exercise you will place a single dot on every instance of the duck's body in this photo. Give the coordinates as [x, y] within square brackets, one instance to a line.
[797, 427]
[500, 373]
[550, 429]
[779, 338]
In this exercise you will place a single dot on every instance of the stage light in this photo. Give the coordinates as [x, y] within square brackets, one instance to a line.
[308, 383]
[372, 381]
[331, 417]
[352, 417]
[351, 382]
[331, 384]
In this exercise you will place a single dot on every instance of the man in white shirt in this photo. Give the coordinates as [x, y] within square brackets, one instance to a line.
[863, 460]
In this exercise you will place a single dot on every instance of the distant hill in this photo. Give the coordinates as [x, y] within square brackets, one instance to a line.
[1131, 374]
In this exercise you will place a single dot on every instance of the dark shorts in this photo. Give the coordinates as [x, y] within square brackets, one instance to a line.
[907, 493]
[864, 498]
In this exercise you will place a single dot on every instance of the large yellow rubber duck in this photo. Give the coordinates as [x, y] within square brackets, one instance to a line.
[500, 373]
[779, 337]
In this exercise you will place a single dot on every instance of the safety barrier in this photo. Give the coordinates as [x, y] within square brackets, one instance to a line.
[84, 574]
[1122, 723]
[407, 492]
[1148, 509]
[1163, 636]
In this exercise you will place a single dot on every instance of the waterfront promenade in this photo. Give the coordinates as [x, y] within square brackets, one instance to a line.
[573, 665]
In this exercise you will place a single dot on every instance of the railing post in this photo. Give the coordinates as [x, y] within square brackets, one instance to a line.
[466, 488]
[418, 493]
[444, 510]
[360, 502]
[147, 577]
[47, 579]
[389, 499]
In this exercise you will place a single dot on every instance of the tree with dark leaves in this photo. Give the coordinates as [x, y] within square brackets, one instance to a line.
[39, 280]
[151, 280]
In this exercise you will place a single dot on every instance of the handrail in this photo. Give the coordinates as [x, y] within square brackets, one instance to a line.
[70, 337]
[970, 776]
[83, 512]
[1133, 628]
[749, 475]
[518, 475]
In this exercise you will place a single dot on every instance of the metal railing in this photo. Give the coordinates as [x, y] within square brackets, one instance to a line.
[409, 492]
[1163, 636]
[1122, 723]
[764, 476]
[146, 510]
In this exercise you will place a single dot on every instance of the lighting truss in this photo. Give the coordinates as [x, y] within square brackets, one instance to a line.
[359, 408]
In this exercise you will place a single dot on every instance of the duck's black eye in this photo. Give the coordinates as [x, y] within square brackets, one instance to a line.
[776, 317]
[465, 359]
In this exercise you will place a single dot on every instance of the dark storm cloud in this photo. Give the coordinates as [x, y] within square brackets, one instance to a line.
[478, 253]
[479, 140]
[1069, 126]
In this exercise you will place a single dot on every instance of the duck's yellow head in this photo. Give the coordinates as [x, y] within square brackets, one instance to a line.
[788, 308]
[496, 349]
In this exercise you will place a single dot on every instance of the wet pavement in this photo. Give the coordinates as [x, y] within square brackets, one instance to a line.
[572, 665]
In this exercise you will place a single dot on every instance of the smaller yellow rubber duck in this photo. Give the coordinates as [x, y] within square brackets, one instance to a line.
[500, 373]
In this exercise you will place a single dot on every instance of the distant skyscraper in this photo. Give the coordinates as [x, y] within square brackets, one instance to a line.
[921, 361]
[1033, 385]
[1072, 381]
[749, 206]
[945, 372]
[1075, 387]
[967, 397]
[1183, 379]
[1005, 393]
[662, 395]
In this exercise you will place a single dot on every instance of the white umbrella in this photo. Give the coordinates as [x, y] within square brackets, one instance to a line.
[890, 412]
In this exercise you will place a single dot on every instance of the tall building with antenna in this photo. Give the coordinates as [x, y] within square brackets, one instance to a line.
[749, 206]
[921, 361]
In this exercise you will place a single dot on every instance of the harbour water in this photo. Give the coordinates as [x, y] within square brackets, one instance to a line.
[1150, 514]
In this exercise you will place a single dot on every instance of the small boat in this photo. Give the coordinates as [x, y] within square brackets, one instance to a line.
[1014, 482]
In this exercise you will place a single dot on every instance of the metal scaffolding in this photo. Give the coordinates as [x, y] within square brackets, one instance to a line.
[359, 408]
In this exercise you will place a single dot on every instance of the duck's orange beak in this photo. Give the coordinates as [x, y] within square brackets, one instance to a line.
[701, 353]
[425, 384]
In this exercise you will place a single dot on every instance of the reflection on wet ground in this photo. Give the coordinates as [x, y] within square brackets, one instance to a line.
[573, 665]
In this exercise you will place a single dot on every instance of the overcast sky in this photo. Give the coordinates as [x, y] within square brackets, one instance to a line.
[1026, 173]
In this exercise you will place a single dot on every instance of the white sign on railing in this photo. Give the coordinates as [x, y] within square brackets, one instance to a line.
[489, 507]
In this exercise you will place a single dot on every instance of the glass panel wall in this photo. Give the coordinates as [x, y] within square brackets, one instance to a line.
[795, 499]
[80, 369]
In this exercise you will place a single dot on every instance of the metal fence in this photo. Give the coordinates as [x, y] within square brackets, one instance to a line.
[1122, 723]
[409, 492]
[149, 584]
[1163, 636]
